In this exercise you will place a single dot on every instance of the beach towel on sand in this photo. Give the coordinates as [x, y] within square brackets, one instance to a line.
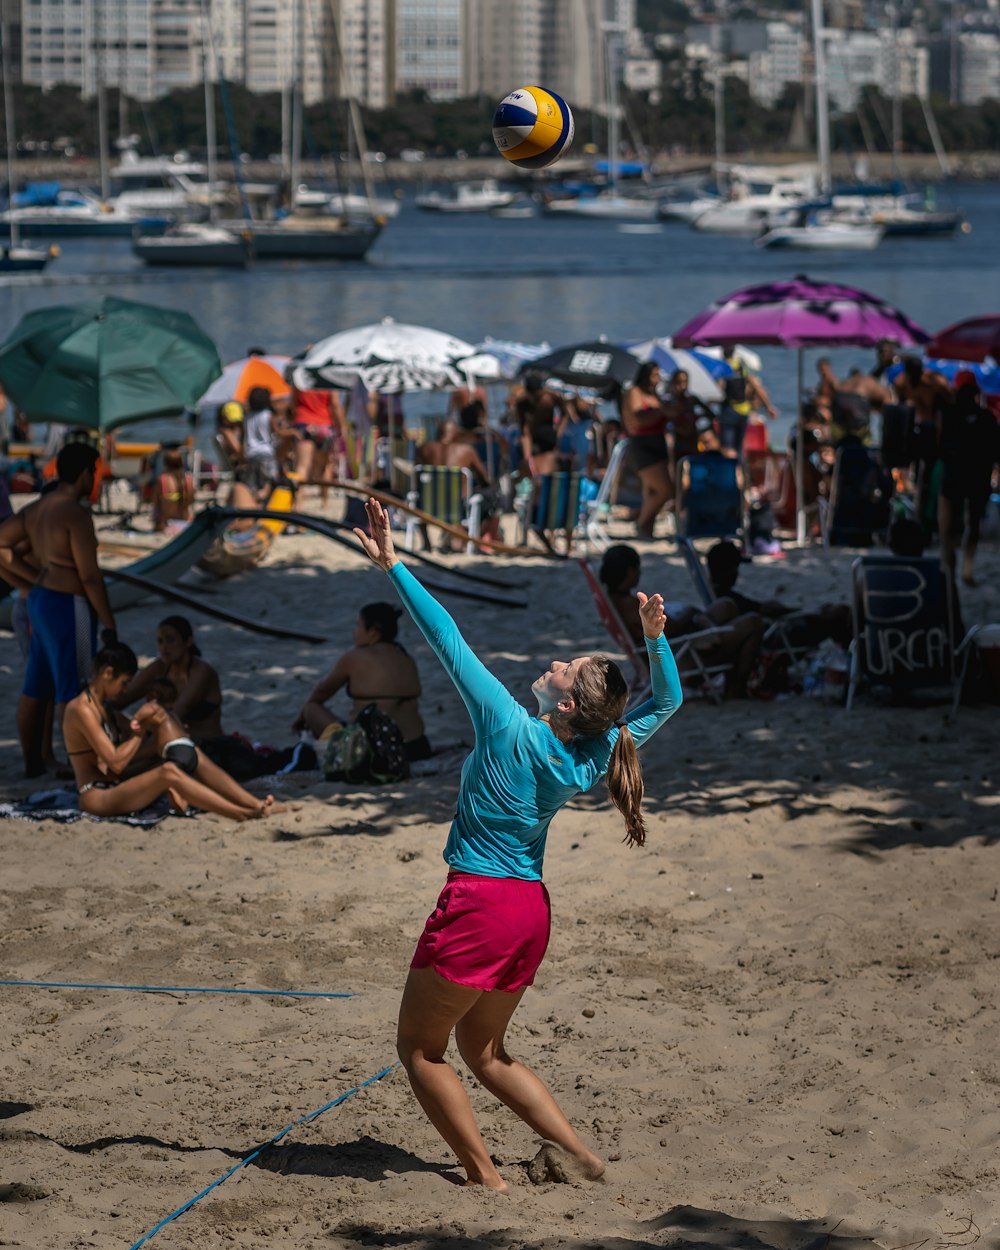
[64, 806]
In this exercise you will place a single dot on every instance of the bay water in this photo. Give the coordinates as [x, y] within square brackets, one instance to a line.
[552, 279]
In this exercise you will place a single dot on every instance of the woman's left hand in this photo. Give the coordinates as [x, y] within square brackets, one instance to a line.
[654, 618]
[378, 545]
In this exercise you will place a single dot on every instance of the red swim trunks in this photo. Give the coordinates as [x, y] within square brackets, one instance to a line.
[486, 932]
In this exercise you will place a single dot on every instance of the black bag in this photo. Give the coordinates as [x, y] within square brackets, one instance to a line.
[388, 755]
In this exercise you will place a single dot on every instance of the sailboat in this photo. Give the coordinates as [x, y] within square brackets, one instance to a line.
[198, 243]
[13, 257]
[297, 235]
[608, 204]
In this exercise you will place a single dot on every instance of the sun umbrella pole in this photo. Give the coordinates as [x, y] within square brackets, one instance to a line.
[800, 460]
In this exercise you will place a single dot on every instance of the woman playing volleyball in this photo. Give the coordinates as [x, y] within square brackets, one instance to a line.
[483, 943]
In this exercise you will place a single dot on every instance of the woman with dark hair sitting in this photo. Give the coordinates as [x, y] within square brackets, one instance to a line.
[198, 705]
[101, 749]
[376, 670]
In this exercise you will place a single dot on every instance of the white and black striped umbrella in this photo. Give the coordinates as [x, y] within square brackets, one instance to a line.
[392, 357]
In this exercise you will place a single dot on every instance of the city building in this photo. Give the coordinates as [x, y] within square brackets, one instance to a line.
[894, 63]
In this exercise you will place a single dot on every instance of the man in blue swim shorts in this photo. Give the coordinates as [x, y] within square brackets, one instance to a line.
[68, 597]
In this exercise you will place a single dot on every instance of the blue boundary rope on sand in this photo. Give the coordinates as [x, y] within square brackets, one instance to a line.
[176, 989]
[259, 1151]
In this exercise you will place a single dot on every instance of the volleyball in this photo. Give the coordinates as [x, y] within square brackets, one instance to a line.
[532, 127]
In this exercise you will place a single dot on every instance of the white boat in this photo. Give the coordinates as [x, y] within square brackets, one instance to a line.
[688, 210]
[76, 214]
[14, 258]
[161, 186]
[193, 243]
[522, 206]
[898, 214]
[484, 196]
[606, 206]
[755, 195]
[824, 236]
[345, 204]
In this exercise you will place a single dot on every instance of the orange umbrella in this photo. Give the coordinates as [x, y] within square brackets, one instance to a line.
[239, 378]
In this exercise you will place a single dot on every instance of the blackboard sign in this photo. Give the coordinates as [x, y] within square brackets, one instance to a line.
[903, 622]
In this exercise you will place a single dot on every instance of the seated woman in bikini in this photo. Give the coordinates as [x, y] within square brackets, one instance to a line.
[377, 670]
[101, 751]
[198, 706]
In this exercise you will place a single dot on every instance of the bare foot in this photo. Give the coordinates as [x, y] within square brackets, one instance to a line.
[500, 1186]
[553, 1163]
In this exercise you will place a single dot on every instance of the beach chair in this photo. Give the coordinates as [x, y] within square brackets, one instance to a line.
[447, 494]
[904, 616]
[638, 679]
[553, 506]
[599, 508]
[696, 674]
[709, 497]
[860, 499]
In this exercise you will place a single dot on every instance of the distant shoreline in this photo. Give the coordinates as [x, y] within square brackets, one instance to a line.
[921, 167]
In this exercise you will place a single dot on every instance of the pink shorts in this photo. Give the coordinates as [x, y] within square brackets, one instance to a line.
[486, 932]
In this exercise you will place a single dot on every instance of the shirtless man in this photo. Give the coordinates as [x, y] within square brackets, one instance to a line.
[929, 394]
[68, 597]
[846, 404]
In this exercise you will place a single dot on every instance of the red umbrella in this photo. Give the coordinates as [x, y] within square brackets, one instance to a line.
[974, 339]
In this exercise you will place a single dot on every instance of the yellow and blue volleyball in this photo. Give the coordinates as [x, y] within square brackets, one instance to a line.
[532, 127]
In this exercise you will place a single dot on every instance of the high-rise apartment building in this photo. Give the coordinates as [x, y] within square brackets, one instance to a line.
[364, 51]
[367, 49]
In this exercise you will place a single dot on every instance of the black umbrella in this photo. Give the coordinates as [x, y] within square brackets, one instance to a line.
[597, 364]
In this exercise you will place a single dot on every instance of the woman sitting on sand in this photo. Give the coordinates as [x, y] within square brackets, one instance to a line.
[736, 646]
[198, 706]
[377, 670]
[100, 752]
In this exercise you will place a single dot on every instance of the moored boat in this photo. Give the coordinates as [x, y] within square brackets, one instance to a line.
[192, 243]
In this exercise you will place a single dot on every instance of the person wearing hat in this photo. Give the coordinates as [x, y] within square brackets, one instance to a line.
[229, 434]
[970, 449]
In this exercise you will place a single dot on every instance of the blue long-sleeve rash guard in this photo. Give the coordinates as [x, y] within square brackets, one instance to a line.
[519, 773]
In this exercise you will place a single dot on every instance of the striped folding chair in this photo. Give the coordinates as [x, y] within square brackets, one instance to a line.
[551, 508]
[447, 494]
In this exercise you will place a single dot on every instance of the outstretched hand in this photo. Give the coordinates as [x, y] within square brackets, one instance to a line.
[654, 618]
[378, 544]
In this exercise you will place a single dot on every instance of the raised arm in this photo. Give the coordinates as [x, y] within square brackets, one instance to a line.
[490, 704]
[666, 695]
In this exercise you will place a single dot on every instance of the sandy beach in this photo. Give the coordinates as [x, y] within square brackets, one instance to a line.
[777, 1022]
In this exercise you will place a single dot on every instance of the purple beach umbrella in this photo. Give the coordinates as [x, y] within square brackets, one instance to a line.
[800, 313]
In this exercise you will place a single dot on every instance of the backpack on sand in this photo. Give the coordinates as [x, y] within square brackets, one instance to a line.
[369, 751]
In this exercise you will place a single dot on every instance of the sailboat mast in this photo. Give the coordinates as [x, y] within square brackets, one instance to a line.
[295, 160]
[822, 97]
[102, 104]
[611, 31]
[8, 114]
[897, 92]
[210, 138]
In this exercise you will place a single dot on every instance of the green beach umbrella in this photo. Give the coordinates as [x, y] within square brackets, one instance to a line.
[106, 362]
